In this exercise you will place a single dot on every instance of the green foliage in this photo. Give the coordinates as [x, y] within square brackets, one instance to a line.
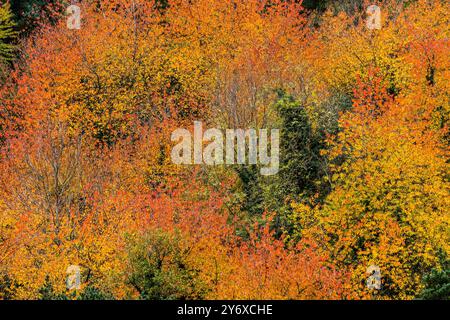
[300, 165]
[7, 287]
[28, 13]
[7, 33]
[47, 292]
[159, 270]
[253, 197]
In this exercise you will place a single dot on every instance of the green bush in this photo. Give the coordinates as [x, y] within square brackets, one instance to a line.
[7, 33]
[159, 269]
[437, 285]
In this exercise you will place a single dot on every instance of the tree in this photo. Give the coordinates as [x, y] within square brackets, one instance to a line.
[301, 166]
[86, 177]
[31, 14]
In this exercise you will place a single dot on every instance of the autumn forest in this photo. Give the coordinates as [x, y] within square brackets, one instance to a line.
[92, 205]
